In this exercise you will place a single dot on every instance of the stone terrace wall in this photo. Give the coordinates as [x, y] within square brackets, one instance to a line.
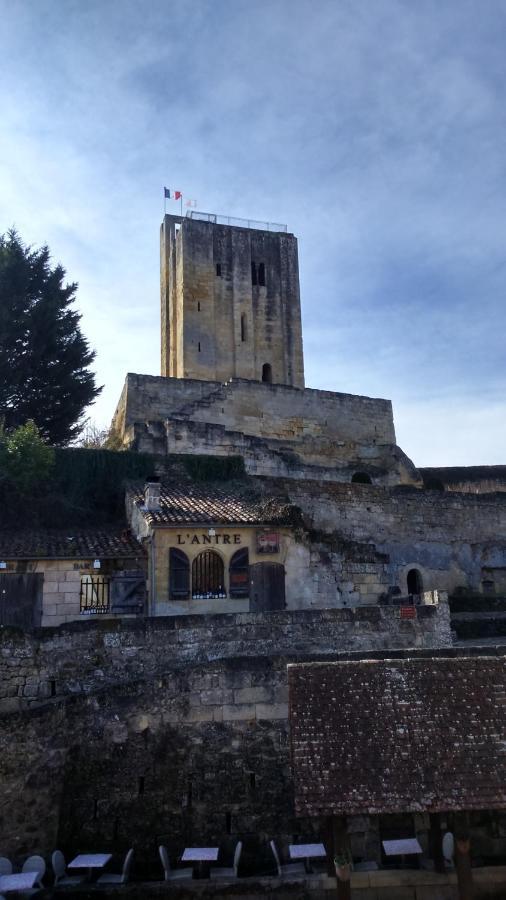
[175, 731]
[82, 657]
[255, 408]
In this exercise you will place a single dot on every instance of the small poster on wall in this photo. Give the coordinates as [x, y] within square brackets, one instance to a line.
[267, 542]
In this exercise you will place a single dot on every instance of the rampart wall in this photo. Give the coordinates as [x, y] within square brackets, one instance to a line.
[165, 730]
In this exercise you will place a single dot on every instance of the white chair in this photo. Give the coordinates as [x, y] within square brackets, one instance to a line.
[297, 868]
[5, 866]
[230, 871]
[172, 874]
[61, 878]
[118, 877]
[35, 864]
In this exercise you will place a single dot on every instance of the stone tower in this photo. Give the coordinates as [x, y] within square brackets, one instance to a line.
[230, 302]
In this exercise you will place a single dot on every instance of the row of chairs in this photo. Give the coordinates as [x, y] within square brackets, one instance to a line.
[63, 879]
[61, 876]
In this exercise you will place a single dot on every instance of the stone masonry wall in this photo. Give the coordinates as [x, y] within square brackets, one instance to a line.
[133, 733]
[450, 538]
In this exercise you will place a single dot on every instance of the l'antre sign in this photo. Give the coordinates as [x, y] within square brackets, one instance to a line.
[208, 539]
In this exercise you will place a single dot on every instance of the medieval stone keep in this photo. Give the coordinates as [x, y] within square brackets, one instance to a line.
[265, 641]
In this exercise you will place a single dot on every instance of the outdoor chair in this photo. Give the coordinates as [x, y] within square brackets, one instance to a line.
[5, 866]
[34, 864]
[172, 874]
[61, 879]
[118, 877]
[230, 871]
[296, 868]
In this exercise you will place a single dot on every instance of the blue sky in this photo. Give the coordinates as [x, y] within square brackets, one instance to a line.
[376, 129]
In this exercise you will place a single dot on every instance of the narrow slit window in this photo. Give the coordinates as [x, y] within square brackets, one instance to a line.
[199, 346]
[261, 274]
[198, 306]
[218, 270]
[243, 327]
[254, 273]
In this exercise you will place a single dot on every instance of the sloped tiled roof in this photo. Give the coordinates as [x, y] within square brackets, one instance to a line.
[192, 504]
[69, 543]
[389, 736]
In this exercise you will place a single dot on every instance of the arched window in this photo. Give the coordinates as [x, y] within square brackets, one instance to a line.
[261, 274]
[361, 478]
[179, 575]
[244, 332]
[267, 373]
[239, 574]
[415, 583]
[208, 580]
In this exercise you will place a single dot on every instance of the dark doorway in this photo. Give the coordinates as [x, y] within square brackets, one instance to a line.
[208, 580]
[239, 574]
[179, 575]
[361, 478]
[415, 582]
[267, 373]
[267, 589]
[21, 599]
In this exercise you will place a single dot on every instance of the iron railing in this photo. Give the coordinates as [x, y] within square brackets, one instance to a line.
[232, 220]
[95, 594]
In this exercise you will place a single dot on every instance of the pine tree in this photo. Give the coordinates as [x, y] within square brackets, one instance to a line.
[44, 358]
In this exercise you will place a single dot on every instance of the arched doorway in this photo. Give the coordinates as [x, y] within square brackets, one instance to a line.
[267, 373]
[208, 581]
[415, 582]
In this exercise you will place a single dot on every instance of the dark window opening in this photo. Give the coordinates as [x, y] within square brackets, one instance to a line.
[261, 274]
[252, 781]
[228, 823]
[141, 784]
[218, 270]
[488, 586]
[52, 688]
[179, 575]
[361, 478]
[199, 346]
[243, 327]
[267, 373]
[239, 574]
[415, 583]
[208, 580]
[254, 273]
[198, 306]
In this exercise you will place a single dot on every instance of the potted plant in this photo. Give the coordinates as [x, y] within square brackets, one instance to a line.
[342, 863]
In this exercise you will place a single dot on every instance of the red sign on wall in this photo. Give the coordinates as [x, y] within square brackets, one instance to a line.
[408, 612]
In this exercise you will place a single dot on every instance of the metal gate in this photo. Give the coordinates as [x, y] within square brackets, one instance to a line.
[21, 599]
[267, 587]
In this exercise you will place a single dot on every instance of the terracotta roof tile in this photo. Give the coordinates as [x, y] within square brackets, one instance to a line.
[69, 543]
[386, 736]
[196, 505]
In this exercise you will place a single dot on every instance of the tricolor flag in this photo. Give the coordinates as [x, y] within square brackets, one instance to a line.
[191, 203]
[169, 194]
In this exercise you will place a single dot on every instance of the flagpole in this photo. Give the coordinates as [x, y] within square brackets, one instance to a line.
[181, 207]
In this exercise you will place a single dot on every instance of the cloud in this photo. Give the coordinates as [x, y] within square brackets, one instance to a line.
[376, 131]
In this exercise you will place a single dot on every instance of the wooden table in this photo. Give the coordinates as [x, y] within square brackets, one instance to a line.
[21, 881]
[202, 857]
[306, 852]
[90, 861]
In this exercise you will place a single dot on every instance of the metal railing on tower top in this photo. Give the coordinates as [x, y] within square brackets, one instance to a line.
[232, 220]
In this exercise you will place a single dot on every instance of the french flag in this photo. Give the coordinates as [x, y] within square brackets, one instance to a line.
[171, 195]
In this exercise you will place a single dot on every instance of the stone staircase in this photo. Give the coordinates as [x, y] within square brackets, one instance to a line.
[187, 410]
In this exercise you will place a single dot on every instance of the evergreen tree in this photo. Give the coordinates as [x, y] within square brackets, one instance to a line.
[44, 357]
